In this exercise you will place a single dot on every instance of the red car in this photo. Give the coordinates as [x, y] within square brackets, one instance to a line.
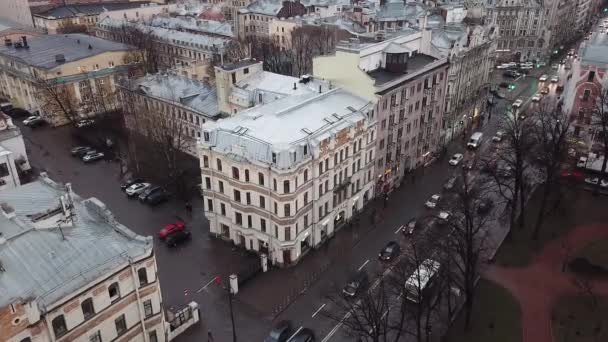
[170, 229]
[572, 176]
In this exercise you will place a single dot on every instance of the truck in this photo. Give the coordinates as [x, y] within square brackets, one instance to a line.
[592, 162]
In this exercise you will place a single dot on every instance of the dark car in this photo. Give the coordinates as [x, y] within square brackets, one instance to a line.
[449, 184]
[177, 238]
[18, 113]
[484, 206]
[356, 283]
[390, 251]
[149, 191]
[157, 197]
[304, 335]
[409, 228]
[130, 181]
[504, 84]
[280, 332]
[80, 151]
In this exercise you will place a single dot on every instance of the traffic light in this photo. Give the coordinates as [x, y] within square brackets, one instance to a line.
[511, 87]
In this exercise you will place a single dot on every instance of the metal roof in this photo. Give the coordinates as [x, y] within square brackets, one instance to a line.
[39, 264]
[74, 10]
[43, 49]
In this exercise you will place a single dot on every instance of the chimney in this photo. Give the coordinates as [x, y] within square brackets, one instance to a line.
[90, 47]
[8, 42]
[60, 58]
[24, 40]
[294, 86]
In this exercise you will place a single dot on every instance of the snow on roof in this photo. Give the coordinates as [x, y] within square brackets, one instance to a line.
[201, 97]
[196, 25]
[280, 125]
[595, 50]
[266, 7]
[279, 84]
[398, 10]
[39, 264]
[395, 48]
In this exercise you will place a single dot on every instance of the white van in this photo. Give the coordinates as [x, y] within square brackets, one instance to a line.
[475, 140]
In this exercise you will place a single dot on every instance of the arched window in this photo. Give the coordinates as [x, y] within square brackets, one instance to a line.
[114, 292]
[88, 310]
[59, 327]
[142, 273]
[261, 178]
[305, 176]
[305, 198]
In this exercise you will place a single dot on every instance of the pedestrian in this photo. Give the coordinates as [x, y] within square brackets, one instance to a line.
[209, 336]
[189, 206]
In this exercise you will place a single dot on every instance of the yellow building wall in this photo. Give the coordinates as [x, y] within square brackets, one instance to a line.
[97, 62]
[342, 69]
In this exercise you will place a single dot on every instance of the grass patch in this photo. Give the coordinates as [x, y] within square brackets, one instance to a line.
[576, 319]
[496, 317]
[596, 252]
[577, 207]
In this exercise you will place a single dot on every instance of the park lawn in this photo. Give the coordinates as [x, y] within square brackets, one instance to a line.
[596, 252]
[578, 207]
[576, 320]
[496, 317]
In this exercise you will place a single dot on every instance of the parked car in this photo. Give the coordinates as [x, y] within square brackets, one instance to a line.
[537, 97]
[592, 180]
[504, 84]
[147, 192]
[390, 251]
[92, 156]
[518, 103]
[355, 284]
[170, 229]
[130, 181]
[304, 335]
[511, 74]
[456, 159]
[34, 121]
[526, 65]
[80, 151]
[555, 66]
[604, 183]
[178, 238]
[432, 202]
[582, 162]
[157, 197]
[409, 227]
[555, 79]
[443, 217]
[544, 90]
[84, 123]
[449, 184]
[17, 112]
[507, 65]
[543, 78]
[572, 176]
[136, 189]
[280, 332]
[498, 136]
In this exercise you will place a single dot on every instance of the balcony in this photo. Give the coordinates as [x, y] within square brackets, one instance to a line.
[343, 185]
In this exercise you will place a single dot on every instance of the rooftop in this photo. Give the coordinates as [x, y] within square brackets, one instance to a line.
[595, 50]
[287, 121]
[240, 64]
[196, 95]
[399, 10]
[266, 81]
[419, 61]
[43, 49]
[44, 263]
[74, 10]
[191, 24]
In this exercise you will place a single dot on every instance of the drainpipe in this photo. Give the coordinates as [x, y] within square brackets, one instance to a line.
[270, 213]
[211, 157]
[48, 326]
[139, 304]
[312, 197]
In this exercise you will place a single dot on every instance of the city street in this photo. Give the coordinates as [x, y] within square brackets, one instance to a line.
[298, 294]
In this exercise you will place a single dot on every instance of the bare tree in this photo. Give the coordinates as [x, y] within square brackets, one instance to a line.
[58, 99]
[599, 121]
[231, 53]
[307, 42]
[148, 53]
[551, 134]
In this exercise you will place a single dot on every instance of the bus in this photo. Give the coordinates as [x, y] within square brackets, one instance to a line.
[421, 281]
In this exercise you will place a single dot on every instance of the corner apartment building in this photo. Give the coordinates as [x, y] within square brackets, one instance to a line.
[170, 102]
[561, 16]
[245, 84]
[255, 19]
[283, 177]
[56, 18]
[70, 272]
[13, 156]
[589, 80]
[408, 89]
[82, 68]
[522, 29]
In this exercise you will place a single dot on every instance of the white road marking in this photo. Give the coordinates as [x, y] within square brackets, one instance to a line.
[205, 286]
[399, 229]
[365, 263]
[318, 310]
[294, 334]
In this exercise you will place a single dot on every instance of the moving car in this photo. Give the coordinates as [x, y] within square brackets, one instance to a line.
[432, 202]
[408, 229]
[456, 159]
[178, 238]
[507, 65]
[498, 136]
[34, 121]
[543, 78]
[84, 123]
[130, 181]
[150, 190]
[136, 189]
[92, 156]
[518, 103]
[449, 184]
[555, 66]
[443, 217]
[511, 74]
[572, 175]
[555, 79]
[356, 283]
[390, 251]
[475, 140]
[582, 162]
[537, 97]
[170, 229]
[526, 65]
[280, 332]
[544, 90]
[304, 335]
[80, 151]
